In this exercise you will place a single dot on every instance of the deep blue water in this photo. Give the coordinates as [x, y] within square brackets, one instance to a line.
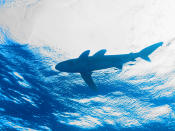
[33, 95]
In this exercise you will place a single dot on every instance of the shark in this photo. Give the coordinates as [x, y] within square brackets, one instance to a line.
[86, 65]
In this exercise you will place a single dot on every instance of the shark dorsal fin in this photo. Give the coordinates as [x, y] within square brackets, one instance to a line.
[84, 55]
[100, 53]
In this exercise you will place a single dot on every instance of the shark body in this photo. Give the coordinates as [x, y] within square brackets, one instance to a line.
[86, 64]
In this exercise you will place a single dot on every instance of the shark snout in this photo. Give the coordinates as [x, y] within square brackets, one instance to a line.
[59, 67]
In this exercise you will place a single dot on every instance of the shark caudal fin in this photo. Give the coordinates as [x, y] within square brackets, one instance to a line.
[149, 50]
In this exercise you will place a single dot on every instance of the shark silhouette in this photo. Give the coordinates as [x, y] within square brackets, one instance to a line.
[86, 64]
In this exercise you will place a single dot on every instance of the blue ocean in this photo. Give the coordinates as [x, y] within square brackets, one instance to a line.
[36, 35]
[35, 96]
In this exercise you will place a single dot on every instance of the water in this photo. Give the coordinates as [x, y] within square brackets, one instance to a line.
[34, 96]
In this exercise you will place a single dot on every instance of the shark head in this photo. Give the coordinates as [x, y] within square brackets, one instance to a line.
[71, 65]
[65, 66]
[74, 65]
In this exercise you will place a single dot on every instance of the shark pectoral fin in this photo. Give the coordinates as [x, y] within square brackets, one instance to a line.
[84, 55]
[88, 79]
[100, 53]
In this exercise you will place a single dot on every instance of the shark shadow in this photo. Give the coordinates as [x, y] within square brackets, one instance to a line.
[85, 64]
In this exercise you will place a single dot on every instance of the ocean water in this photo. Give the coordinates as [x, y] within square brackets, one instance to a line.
[34, 96]
[35, 35]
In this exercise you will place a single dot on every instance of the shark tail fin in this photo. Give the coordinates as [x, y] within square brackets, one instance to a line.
[149, 50]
